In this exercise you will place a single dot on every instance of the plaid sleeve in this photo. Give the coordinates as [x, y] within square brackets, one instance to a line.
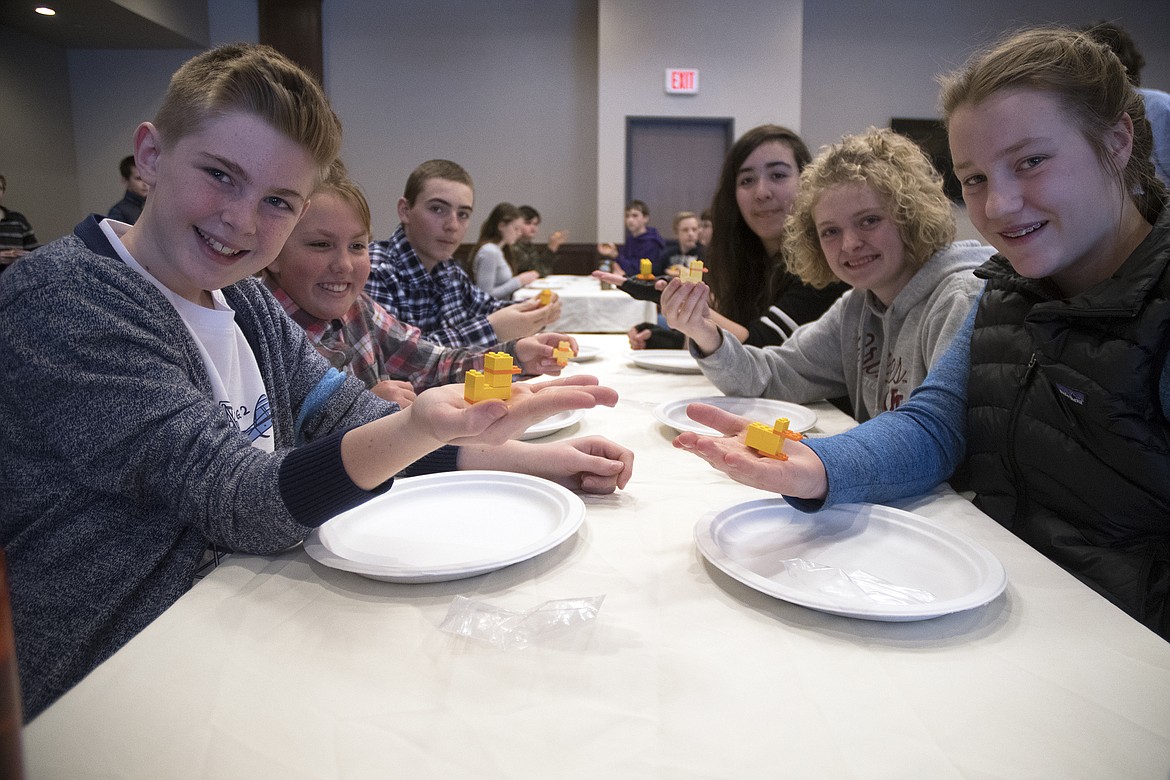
[407, 355]
[463, 312]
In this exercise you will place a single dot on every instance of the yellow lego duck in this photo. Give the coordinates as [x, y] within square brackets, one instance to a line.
[545, 297]
[693, 272]
[647, 270]
[562, 353]
[495, 381]
[769, 442]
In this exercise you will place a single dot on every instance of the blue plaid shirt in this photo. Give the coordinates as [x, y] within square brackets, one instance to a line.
[445, 304]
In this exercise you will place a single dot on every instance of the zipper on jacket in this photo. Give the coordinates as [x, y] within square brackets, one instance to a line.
[1013, 422]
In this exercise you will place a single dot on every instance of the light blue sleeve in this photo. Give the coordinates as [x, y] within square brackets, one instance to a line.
[908, 451]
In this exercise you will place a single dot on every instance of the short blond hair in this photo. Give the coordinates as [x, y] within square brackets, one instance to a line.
[338, 182]
[258, 80]
[902, 177]
[679, 217]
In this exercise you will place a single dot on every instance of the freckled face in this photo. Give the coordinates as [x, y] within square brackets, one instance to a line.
[860, 240]
[765, 187]
[1035, 188]
[437, 220]
[326, 261]
[223, 201]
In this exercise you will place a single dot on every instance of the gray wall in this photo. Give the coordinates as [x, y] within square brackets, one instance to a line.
[529, 95]
[506, 89]
[36, 134]
[748, 54]
[866, 62]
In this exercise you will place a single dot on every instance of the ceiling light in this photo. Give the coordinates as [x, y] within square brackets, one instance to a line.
[44, 10]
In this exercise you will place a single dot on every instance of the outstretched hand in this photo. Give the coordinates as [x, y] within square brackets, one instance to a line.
[535, 353]
[442, 414]
[686, 308]
[801, 476]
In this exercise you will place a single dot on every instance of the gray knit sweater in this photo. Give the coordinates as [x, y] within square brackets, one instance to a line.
[118, 468]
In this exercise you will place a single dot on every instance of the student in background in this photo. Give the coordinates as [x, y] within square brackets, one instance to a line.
[490, 262]
[319, 278]
[641, 240]
[1157, 101]
[872, 213]
[684, 248]
[705, 227]
[529, 256]
[129, 208]
[1056, 392]
[415, 277]
[755, 297]
[155, 399]
[16, 234]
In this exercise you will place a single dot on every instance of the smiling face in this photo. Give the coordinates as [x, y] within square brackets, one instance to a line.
[437, 221]
[326, 261]
[860, 241]
[765, 187]
[1035, 188]
[223, 200]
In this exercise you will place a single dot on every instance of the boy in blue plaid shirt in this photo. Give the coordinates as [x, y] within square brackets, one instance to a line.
[416, 278]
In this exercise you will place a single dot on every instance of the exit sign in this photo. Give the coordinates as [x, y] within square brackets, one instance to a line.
[682, 81]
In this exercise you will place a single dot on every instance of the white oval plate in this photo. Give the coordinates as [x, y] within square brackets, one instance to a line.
[671, 361]
[448, 526]
[764, 410]
[551, 425]
[751, 541]
[586, 352]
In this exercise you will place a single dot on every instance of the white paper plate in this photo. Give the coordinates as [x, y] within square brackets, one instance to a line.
[671, 361]
[550, 425]
[448, 526]
[751, 541]
[765, 410]
[586, 352]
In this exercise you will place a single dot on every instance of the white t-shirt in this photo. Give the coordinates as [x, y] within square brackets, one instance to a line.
[236, 382]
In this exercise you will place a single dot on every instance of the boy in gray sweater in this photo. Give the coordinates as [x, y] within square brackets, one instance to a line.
[153, 391]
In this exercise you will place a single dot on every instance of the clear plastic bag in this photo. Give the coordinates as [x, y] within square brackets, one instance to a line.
[511, 630]
[857, 586]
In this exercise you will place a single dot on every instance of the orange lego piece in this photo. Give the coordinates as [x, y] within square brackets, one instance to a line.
[693, 272]
[545, 297]
[647, 270]
[495, 381]
[769, 442]
[562, 353]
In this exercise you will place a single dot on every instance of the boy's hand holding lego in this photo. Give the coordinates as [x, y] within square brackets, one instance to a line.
[685, 306]
[535, 353]
[524, 318]
[801, 476]
[374, 452]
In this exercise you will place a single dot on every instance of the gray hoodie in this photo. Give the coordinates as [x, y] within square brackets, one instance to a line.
[876, 355]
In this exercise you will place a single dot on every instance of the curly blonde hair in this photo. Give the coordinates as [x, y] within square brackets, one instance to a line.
[902, 177]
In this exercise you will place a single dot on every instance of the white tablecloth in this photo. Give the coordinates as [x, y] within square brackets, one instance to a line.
[586, 308]
[281, 667]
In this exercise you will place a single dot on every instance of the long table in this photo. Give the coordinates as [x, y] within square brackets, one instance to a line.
[281, 667]
[587, 308]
